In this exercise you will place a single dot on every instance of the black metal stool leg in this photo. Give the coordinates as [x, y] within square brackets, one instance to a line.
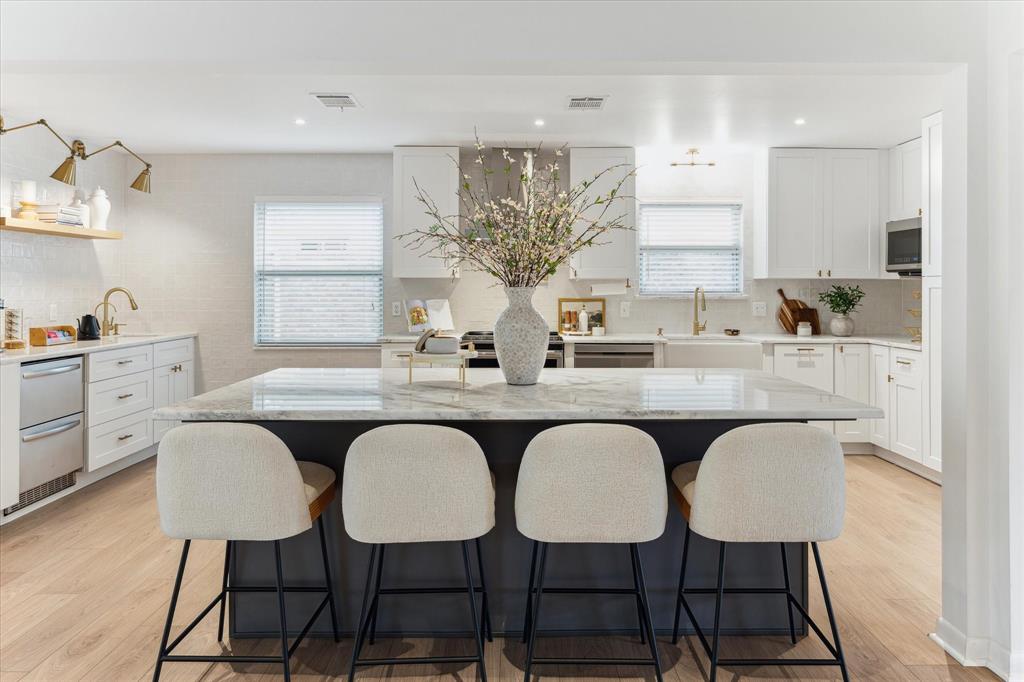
[831, 615]
[327, 579]
[485, 609]
[718, 611]
[639, 602]
[170, 610]
[224, 590]
[284, 621]
[789, 606]
[535, 617]
[375, 604]
[682, 581]
[645, 603]
[477, 625]
[529, 593]
[363, 613]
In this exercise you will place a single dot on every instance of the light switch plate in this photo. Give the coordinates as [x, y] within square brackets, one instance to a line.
[623, 308]
[53, 312]
[396, 308]
[759, 309]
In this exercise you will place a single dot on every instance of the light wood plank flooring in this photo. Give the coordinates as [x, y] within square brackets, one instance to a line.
[84, 586]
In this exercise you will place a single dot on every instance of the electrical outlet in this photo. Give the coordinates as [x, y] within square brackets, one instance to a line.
[53, 312]
[396, 308]
[623, 309]
[759, 309]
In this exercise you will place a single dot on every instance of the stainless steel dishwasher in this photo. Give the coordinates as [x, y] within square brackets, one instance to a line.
[614, 355]
[52, 426]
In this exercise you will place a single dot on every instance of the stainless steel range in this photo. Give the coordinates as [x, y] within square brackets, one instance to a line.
[484, 344]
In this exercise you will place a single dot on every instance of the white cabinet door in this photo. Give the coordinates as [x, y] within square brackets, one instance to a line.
[853, 381]
[792, 244]
[434, 169]
[118, 362]
[931, 201]
[850, 224]
[906, 401]
[615, 258]
[172, 384]
[117, 439]
[931, 321]
[117, 397]
[905, 180]
[879, 394]
[810, 364]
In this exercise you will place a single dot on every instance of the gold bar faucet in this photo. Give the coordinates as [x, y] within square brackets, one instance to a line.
[108, 322]
[698, 327]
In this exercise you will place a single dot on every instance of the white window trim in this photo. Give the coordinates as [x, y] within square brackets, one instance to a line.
[318, 199]
[744, 282]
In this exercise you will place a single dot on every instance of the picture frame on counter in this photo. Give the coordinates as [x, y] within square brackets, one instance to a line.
[569, 318]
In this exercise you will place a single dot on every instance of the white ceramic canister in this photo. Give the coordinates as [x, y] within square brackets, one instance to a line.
[99, 209]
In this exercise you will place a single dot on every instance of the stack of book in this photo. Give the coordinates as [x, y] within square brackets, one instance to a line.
[62, 215]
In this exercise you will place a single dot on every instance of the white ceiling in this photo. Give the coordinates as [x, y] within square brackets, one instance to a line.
[232, 77]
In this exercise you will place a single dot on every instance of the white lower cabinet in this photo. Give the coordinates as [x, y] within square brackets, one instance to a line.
[878, 386]
[172, 384]
[931, 321]
[810, 364]
[116, 439]
[853, 381]
[906, 400]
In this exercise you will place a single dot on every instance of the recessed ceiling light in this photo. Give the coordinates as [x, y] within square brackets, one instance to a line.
[300, 121]
[800, 121]
[539, 122]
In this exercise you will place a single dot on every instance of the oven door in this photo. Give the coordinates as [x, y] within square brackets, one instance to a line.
[903, 246]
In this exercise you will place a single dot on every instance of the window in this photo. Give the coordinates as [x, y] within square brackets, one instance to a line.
[319, 272]
[688, 245]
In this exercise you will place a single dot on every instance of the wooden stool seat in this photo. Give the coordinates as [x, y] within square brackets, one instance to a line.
[318, 484]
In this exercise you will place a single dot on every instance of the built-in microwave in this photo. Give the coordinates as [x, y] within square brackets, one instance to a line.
[903, 246]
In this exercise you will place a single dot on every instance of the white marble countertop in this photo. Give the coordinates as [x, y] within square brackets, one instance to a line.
[33, 353]
[350, 394]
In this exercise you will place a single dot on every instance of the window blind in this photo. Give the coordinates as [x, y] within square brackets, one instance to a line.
[683, 246]
[319, 272]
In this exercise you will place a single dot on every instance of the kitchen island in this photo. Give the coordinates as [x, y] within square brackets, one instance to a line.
[319, 412]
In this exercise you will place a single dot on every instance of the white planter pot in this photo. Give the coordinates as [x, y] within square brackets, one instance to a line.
[841, 325]
[520, 338]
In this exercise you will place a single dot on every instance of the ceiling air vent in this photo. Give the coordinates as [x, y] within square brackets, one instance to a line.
[591, 103]
[335, 100]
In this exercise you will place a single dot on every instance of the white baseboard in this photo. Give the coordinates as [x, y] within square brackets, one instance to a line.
[83, 480]
[908, 464]
[973, 652]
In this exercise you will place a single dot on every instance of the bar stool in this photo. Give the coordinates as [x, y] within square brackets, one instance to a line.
[590, 483]
[763, 483]
[415, 483]
[239, 482]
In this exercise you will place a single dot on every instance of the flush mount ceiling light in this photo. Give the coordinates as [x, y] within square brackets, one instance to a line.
[300, 121]
[799, 122]
[539, 122]
[66, 171]
[693, 152]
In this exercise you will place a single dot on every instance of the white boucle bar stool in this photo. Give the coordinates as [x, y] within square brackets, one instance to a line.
[239, 482]
[413, 483]
[763, 483]
[590, 483]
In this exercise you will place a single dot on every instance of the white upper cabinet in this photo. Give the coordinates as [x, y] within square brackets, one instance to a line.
[615, 258]
[434, 170]
[931, 201]
[905, 180]
[822, 214]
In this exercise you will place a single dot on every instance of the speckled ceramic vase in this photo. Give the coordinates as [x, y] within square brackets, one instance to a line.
[841, 325]
[520, 338]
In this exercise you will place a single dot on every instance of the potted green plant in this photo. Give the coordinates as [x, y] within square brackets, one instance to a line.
[841, 301]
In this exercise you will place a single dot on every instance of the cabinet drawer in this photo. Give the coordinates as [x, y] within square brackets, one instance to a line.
[809, 364]
[114, 440]
[171, 352]
[117, 363]
[120, 396]
[907, 364]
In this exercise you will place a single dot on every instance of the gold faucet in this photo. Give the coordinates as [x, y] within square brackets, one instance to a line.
[108, 322]
[698, 327]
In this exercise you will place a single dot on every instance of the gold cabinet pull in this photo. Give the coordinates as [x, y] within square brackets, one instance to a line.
[125, 436]
[125, 395]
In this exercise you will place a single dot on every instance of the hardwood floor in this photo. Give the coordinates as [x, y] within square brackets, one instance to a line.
[84, 586]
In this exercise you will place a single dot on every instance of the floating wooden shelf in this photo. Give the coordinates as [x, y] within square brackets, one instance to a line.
[39, 227]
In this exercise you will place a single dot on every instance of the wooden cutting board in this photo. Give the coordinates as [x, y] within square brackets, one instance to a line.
[793, 311]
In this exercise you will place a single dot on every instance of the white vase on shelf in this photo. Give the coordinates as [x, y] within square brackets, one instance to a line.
[99, 209]
[80, 202]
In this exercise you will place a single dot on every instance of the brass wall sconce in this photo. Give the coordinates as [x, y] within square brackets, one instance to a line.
[66, 170]
[693, 152]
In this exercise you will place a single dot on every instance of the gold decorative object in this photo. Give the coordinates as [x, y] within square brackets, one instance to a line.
[66, 170]
[915, 334]
[693, 152]
[28, 210]
[568, 314]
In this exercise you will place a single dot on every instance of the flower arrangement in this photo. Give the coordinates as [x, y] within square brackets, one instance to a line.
[519, 226]
[842, 300]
